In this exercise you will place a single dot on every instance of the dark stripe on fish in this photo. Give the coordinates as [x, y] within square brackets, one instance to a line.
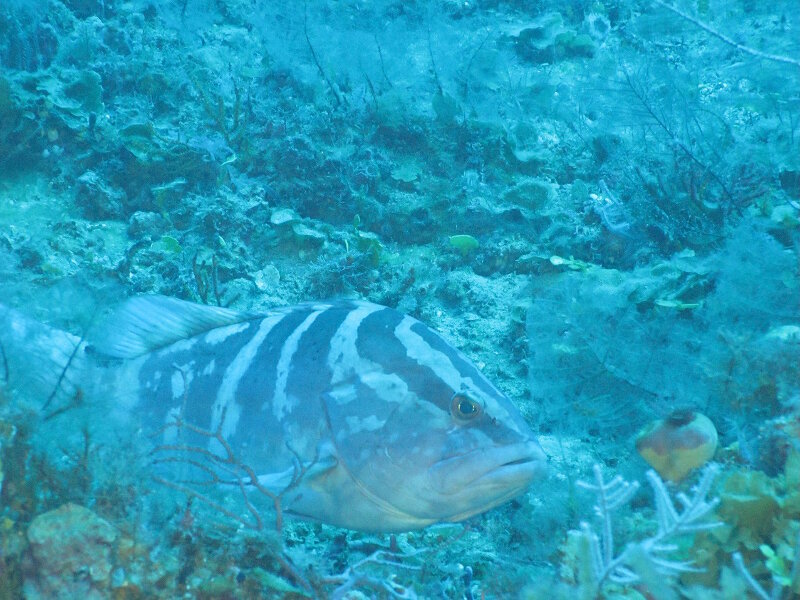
[464, 366]
[377, 342]
[257, 385]
[204, 381]
[310, 374]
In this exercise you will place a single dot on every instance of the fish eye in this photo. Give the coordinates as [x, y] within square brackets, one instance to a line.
[464, 408]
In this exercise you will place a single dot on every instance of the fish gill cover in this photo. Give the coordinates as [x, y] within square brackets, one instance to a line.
[596, 202]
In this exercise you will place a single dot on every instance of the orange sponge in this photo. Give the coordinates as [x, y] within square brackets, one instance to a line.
[678, 444]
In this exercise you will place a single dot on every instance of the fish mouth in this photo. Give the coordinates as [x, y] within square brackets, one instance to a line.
[505, 470]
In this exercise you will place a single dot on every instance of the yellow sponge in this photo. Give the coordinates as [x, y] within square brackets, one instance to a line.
[678, 444]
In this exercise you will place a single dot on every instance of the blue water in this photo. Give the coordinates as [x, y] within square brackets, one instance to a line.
[598, 203]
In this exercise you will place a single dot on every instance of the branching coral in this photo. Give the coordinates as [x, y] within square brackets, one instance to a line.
[648, 561]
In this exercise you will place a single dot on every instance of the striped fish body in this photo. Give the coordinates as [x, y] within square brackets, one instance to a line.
[357, 415]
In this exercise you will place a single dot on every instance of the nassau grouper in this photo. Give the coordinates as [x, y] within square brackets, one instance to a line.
[358, 415]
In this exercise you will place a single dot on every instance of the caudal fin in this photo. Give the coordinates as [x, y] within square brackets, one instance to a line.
[39, 365]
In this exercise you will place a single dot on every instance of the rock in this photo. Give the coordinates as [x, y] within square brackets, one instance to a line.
[530, 193]
[144, 224]
[70, 551]
[97, 199]
[281, 216]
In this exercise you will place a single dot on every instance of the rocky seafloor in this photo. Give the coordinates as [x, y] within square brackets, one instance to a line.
[598, 202]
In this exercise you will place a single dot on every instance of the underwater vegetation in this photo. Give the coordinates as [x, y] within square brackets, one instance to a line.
[597, 202]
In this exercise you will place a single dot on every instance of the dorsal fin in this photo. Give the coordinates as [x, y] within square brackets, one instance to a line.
[146, 323]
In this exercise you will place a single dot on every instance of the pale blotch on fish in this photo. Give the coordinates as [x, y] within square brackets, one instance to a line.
[392, 427]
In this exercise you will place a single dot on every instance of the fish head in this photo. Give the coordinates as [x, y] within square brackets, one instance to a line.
[425, 438]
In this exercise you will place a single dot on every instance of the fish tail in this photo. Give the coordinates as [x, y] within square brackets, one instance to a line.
[39, 365]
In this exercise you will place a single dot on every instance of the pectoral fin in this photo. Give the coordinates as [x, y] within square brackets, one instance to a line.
[279, 482]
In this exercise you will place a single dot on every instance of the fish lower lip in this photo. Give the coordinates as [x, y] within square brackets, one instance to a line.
[508, 466]
[518, 475]
[519, 461]
[527, 462]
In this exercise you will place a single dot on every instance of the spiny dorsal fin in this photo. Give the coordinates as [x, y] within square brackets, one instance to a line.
[146, 323]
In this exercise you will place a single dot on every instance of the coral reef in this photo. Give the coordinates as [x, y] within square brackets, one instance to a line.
[70, 553]
[598, 203]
